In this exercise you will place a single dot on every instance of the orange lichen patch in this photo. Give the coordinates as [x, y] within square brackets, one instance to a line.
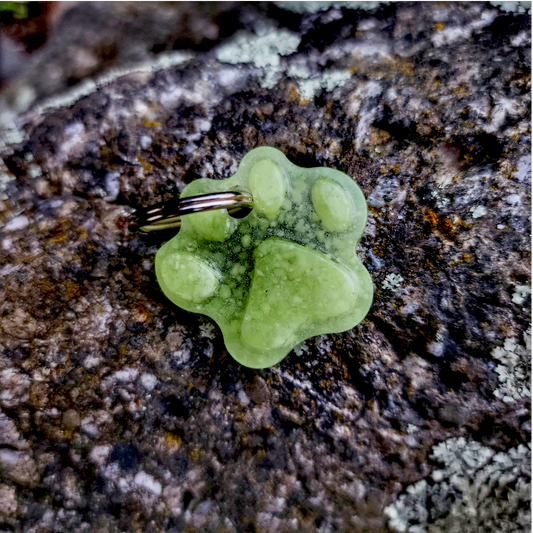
[145, 164]
[439, 26]
[196, 453]
[403, 67]
[141, 313]
[39, 394]
[461, 91]
[58, 232]
[173, 442]
[463, 224]
[443, 225]
[123, 350]
[379, 249]
[295, 96]
[72, 289]
[334, 146]
[59, 238]
[377, 136]
[472, 369]
[326, 384]
[464, 258]
[432, 217]
[336, 415]
[152, 123]
[299, 393]
[47, 286]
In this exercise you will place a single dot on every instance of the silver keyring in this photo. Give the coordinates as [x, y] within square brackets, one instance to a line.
[166, 215]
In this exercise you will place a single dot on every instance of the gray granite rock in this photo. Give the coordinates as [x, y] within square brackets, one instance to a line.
[121, 412]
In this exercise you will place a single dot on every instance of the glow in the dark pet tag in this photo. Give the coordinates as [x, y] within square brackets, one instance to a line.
[286, 272]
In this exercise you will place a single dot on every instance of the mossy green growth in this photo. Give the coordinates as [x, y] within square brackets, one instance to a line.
[286, 272]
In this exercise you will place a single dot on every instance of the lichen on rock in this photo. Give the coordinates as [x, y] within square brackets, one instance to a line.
[324, 5]
[477, 489]
[514, 373]
[262, 49]
[120, 411]
[518, 6]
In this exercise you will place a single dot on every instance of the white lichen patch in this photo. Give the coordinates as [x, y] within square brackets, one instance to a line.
[127, 375]
[9, 434]
[112, 186]
[182, 355]
[35, 171]
[149, 381]
[96, 423]
[90, 85]
[262, 49]
[242, 396]
[8, 500]
[324, 5]
[6, 177]
[299, 349]
[207, 331]
[478, 211]
[521, 292]
[503, 109]
[18, 467]
[523, 170]
[11, 135]
[388, 192]
[392, 282]
[14, 388]
[148, 482]
[17, 223]
[99, 454]
[436, 348]
[514, 370]
[91, 361]
[475, 490]
[473, 191]
[510, 6]
[328, 80]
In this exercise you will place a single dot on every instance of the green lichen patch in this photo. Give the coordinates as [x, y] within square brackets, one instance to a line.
[286, 272]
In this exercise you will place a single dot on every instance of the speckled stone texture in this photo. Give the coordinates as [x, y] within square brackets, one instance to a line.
[119, 412]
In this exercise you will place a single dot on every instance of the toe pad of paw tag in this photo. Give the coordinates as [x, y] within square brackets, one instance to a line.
[285, 272]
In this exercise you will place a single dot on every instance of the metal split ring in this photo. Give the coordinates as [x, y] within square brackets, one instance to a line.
[166, 215]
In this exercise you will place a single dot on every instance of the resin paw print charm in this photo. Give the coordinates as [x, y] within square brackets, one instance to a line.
[286, 272]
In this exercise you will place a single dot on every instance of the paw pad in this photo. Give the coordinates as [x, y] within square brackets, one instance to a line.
[286, 272]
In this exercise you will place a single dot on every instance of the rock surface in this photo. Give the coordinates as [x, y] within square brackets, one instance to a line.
[121, 412]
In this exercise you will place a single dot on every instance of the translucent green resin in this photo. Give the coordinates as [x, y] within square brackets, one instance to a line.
[286, 272]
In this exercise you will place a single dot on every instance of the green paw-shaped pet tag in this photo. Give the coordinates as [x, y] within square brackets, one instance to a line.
[286, 272]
